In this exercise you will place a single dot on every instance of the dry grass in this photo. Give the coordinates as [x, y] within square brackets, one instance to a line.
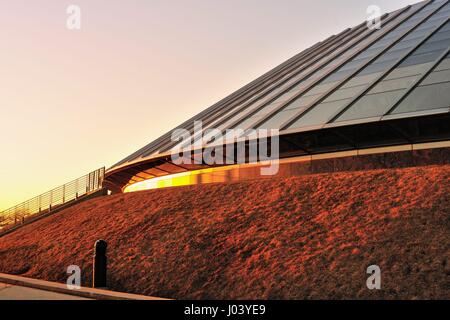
[295, 238]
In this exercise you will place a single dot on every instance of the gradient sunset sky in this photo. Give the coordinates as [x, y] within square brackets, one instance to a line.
[73, 101]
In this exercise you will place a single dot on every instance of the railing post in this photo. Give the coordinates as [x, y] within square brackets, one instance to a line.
[99, 269]
[18, 214]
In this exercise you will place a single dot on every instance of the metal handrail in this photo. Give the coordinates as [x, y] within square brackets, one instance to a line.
[52, 199]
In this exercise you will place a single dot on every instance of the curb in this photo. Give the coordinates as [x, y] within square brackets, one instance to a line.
[96, 294]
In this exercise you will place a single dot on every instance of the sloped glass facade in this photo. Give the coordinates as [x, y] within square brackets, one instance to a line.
[355, 89]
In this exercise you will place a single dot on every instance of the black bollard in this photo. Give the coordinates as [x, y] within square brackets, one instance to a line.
[100, 265]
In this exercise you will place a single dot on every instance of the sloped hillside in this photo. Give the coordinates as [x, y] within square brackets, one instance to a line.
[295, 238]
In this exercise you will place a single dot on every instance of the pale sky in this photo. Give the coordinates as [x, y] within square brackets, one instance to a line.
[73, 101]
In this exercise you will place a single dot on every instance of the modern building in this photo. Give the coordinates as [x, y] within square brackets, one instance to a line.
[364, 98]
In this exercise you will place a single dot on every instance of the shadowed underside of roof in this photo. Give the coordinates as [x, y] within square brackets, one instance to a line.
[359, 88]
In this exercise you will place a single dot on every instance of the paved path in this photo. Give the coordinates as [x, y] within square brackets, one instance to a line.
[20, 288]
[10, 292]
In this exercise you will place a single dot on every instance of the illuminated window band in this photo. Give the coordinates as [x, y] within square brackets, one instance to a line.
[234, 172]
